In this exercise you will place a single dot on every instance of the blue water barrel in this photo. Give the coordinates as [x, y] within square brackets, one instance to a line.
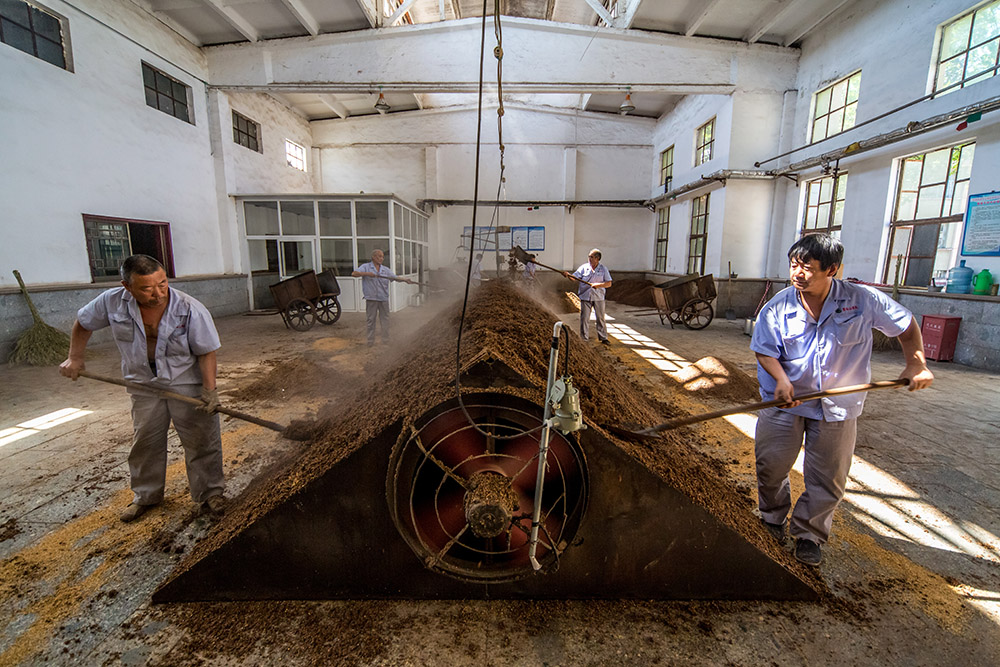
[959, 279]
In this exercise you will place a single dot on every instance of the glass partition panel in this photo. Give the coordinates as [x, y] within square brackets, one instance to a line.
[397, 219]
[337, 254]
[400, 267]
[261, 218]
[335, 218]
[297, 218]
[263, 256]
[372, 218]
[296, 256]
[367, 246]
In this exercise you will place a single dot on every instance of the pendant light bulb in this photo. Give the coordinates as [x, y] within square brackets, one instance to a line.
[381, 105]
[626, 105]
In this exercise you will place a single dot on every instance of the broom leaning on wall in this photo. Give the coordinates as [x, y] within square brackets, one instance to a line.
[41, 345]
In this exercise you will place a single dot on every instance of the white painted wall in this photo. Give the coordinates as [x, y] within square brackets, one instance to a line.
[85, 142]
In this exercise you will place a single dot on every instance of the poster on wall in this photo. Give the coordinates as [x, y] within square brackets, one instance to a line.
[536, 238]
[503, 238]
[982, 225]
[519, 237]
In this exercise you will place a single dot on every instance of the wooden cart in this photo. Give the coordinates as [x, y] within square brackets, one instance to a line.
[686, 300]
[307, 297]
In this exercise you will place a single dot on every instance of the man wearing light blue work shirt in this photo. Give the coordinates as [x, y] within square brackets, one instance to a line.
[167, 340]
[813, 336]
[375, 279]
[594, 278]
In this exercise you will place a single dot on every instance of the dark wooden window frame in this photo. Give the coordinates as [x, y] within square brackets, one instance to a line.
[662, 235]
[246, 132]
[164, 251]
[829, 226]
[667, 168]
[38, 14]
[703, 146]
[696, 260]
[162, 90]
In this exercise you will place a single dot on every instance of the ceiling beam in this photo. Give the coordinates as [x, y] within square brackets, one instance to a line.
[626, 16]
[829, 9]
[420, 100]
[584, 101]
[165, 19]
[303, 16]
[400, 10]
[441, 9]
[767, 20]
[696, 21]
[456, 8]
[333, 105]
[601, 10]
[235, 19]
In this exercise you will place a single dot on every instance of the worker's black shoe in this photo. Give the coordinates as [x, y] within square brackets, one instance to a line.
[133, 512]
[808, 552]
[605, 342]
[216, 505]
[777, 530]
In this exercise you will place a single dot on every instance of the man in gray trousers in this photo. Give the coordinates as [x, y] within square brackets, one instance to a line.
[815, 335]
[167, 340]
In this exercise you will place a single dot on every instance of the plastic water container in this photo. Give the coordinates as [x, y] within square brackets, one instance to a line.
[959, 279]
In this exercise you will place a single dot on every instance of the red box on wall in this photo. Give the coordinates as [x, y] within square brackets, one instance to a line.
[940, 334]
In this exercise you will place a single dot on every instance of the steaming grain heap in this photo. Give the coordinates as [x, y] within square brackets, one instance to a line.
[507, 332]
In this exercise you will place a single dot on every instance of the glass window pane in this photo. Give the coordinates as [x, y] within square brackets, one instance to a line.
[838, 214]
[372, 218]
[854, 88]
[911, 173]
[986, 24]
[955, 38]
[823, 216]
[811, 217]
[907, 206]
[930, 201]
[50, 52]
[836, 122]
[179, 91]
[850, 116]
[819, 129]
[181, 110]
[163, 84]
[960, 200]
[164, 103]
[936, 167]
[46, 25]
[15, 11]
[950, 72]
[822, 103]
[334, 218]
[297, 218]
[296, 256]
[337, 254]
[148, 76]
[261, 218]
[263, 256]
[399, 255]
[813, 196]
[367, 246]
[838, 97]
[826, 190]
[18, 37]
[397, 220]
[150, 97]
[982, 58]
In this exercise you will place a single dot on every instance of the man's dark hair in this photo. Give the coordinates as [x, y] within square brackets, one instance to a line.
[142, 265]
[825, 249]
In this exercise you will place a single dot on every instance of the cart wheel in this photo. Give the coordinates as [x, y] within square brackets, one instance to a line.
[301, 316]
[697, 313]
[327, 309]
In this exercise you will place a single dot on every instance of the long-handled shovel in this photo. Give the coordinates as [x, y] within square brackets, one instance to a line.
[164, 393]
[633, 431]
[524, 258]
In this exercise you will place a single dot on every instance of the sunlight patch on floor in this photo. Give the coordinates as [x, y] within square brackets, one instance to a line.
[45, 422]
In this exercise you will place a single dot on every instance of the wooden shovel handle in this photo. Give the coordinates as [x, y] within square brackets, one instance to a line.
[694, 419]
[166, 393]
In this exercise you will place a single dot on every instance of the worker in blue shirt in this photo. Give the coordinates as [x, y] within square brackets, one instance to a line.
[167, 340]
[593, 278]
[815, 335]
[375, 279]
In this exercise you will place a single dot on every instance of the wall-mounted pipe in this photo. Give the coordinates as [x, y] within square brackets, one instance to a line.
[722, 175]
[571, 203]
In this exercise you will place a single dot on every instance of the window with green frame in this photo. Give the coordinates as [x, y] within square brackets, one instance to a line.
[662, 228]
[704, 143]
[698, 236]
[967, 50]
[836, 106]
[926, 226]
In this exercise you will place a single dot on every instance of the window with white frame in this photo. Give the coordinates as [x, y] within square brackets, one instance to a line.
[295, 155]
[667, 168]
[36, 31]
[662, 229]
[926, 226]
[698, 236]
[704, 142]
[825, 205]
[836, 107]
[967, 50]
[166, 93]
[246, 132]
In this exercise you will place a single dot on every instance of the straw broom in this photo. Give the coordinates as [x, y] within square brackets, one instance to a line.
[41, 345]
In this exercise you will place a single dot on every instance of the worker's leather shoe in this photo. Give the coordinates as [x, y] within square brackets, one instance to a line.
[215, 505]
[605, 342]
[133, 512]
[777, 530]
[808, 552]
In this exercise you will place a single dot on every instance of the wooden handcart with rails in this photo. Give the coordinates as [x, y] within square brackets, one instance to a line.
[686, 300]
[307, 297]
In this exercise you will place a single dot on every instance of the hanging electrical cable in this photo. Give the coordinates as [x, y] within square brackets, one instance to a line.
[498, 53]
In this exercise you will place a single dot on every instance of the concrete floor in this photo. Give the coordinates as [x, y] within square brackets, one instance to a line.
[912, 562]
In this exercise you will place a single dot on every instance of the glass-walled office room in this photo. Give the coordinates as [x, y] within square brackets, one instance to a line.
[286, 235]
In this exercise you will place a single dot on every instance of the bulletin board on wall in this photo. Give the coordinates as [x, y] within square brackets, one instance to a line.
[530, 238]
[981, 236]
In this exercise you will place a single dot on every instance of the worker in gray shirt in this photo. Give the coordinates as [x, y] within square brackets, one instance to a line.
[375, 278]
[167, 340]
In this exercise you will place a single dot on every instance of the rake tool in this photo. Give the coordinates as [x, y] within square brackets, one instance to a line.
[524, 258]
